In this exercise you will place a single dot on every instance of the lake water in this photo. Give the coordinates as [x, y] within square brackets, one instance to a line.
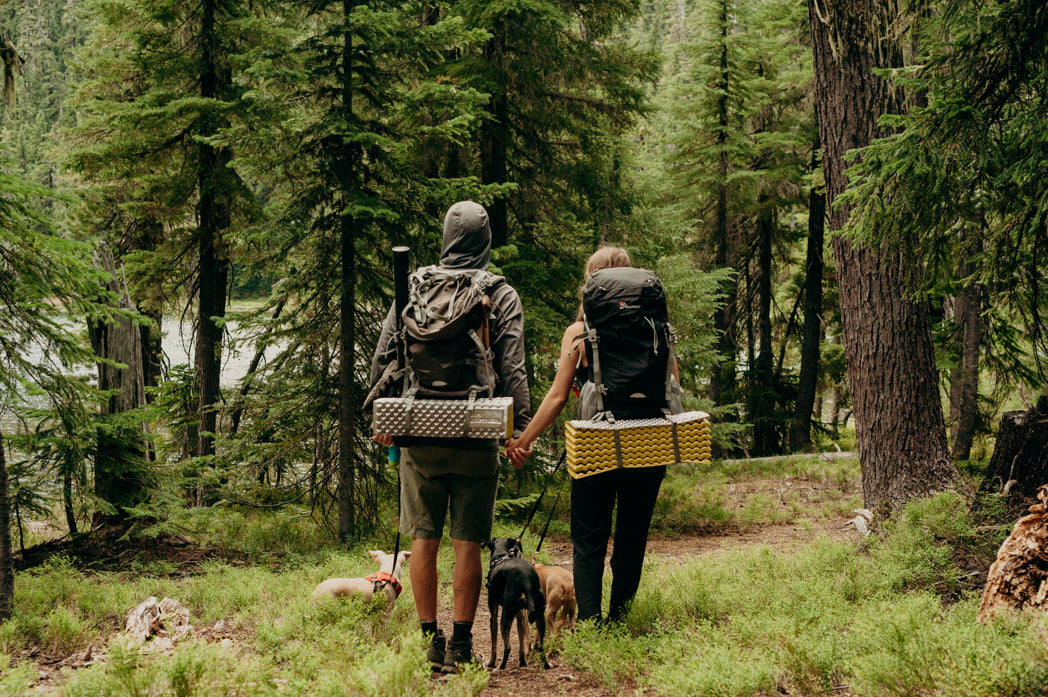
[177, 345]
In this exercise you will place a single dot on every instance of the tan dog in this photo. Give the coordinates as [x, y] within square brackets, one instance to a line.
[387, 579]
[558, 585]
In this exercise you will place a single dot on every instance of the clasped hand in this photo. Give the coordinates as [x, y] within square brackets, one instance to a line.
[517, 453]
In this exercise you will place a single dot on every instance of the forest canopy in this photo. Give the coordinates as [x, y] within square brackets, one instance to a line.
[248, 167]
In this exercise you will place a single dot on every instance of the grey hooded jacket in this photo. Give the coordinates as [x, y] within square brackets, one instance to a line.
[467, 246]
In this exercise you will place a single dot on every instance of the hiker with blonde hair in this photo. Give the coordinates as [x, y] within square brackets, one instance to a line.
[594, 498]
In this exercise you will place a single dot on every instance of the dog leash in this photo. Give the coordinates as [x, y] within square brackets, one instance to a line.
[545, 528]
[538, 501]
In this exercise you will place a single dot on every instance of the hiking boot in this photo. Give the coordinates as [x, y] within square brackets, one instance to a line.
[435, 652]
[458, 653]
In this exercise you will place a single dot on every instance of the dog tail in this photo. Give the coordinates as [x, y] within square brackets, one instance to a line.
[536, 603]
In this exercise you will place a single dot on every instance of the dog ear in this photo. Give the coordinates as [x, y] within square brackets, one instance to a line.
[407, 554]
[487, 545]
[376, 554]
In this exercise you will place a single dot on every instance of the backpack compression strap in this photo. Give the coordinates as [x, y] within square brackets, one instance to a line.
[421, 309]
[591, 336]
[392, 372]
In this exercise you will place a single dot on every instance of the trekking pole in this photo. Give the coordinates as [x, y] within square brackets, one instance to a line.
[400, 301]
[538, 501]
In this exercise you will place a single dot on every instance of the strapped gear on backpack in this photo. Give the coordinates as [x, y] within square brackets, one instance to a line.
[447, 383]
[630, 413]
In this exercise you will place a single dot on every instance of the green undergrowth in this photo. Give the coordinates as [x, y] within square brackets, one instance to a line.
[724, 497]
[891, 616]
[274, 639]
[742, 495]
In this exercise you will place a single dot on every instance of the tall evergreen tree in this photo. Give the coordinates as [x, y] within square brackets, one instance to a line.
[564, 87]
[965, 172]
[736, 168]
[368, 105]
[899, 424]
[811, 335]
[163, 88]
[36, 268]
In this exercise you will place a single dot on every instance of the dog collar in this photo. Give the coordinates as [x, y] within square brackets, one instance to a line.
[499, 559]
[382, 579]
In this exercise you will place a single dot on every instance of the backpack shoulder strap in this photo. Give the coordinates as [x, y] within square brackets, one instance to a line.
[591, 336]
[671, 340]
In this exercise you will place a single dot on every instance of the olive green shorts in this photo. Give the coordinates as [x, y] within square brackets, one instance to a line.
[434, 479]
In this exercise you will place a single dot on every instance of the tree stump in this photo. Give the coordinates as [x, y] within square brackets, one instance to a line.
[1018, 579]
[1019, 465]
[166, 619]
[120, 460]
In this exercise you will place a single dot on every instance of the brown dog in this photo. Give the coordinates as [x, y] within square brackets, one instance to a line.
[558, 585]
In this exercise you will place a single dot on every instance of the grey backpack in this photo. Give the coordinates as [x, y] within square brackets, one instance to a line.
[447, 343]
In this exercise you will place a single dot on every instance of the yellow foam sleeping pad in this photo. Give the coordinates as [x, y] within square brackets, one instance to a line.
[599, 446]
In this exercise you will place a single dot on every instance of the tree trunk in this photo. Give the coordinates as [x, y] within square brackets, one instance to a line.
[966, 379]
[213, 219]
[67, 502]
[835, 412]
[764, 399]
[723, 379]
[807, 382]
[120, 452]
[7, 562]
[887, 337]
[347, 335]
[493, 142]
[10, 65]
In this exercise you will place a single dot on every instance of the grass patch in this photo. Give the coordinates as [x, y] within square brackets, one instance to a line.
[741, 495]
[281, 641]
[893, 615]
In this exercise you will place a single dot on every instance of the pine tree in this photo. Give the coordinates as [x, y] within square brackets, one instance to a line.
[736, 166]
[36, 268]
[959, 186]
[900, 431]
[164, 86]
[564, 89]
[366, 104]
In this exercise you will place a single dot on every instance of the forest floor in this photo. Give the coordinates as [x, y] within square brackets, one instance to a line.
[560, 678]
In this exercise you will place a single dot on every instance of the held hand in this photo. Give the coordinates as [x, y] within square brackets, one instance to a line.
[383, 440]
[517, 455]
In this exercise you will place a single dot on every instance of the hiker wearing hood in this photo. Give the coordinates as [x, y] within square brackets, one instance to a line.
[457, 474]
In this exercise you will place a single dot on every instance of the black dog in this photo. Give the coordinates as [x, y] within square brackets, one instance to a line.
[514, 584]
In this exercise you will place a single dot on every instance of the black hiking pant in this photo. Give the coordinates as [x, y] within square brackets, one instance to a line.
[593, 499]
